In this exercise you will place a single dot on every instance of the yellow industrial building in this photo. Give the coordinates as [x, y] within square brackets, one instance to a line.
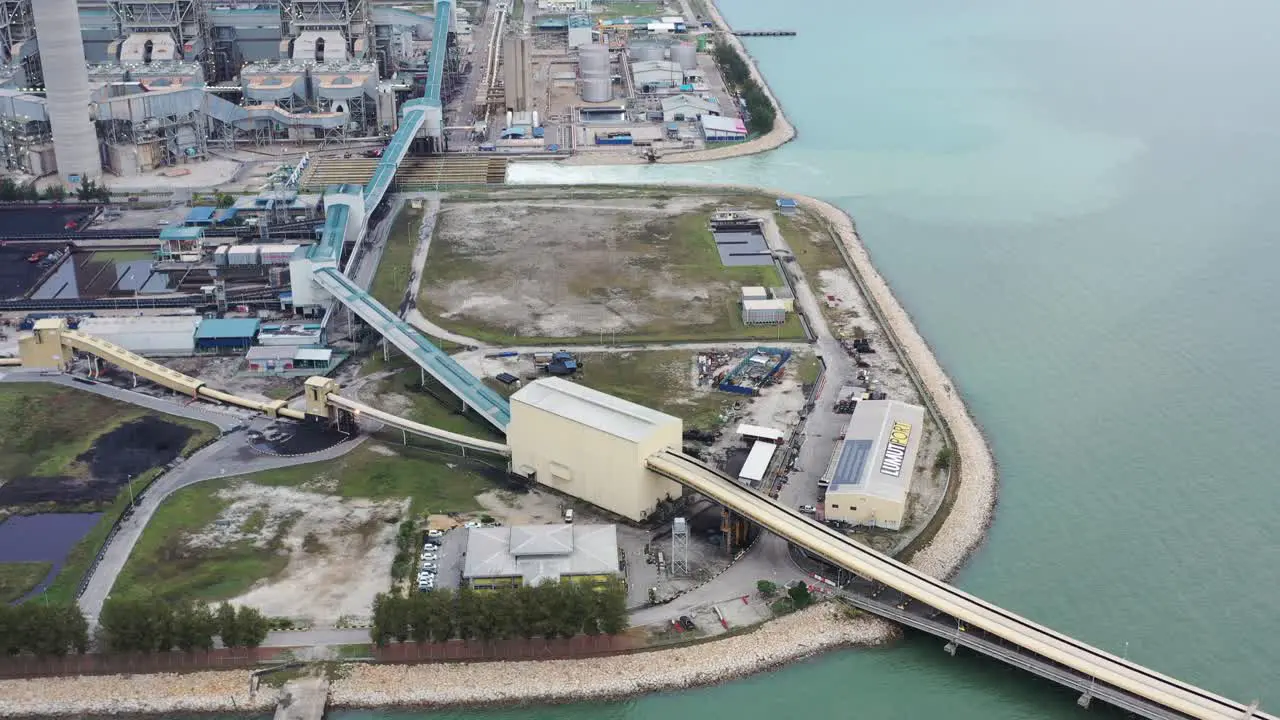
[869, 477]
[591, 445]
[504, 557]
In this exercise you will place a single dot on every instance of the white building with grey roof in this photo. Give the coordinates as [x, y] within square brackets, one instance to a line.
[592, 445]
[535, 554]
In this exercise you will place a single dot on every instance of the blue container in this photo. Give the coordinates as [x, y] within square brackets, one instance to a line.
[539, 132]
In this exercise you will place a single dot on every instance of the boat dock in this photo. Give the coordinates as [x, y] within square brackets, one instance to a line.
[764, 33]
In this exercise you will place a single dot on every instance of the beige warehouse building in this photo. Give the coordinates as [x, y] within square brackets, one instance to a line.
[869, 477]
[592, 445]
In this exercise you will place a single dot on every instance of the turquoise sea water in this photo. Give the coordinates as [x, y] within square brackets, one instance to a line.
[1074, 200]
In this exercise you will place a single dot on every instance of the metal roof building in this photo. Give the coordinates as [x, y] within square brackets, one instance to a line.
[591, 445]
[722, 129]
[156, 335]
[535, 554]
[869, 476]
[757, 463]
[215, 333]
[200, 215]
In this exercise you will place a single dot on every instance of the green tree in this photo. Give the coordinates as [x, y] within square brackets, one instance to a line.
[226, 200]
[11, 630]
[194, 626]
[76, 628]
[420, 617]
[767, 589]
[467, 613]
[800, 596]
[441, 606]
[55, 192]
[132, 624]
[380, 629]
[228, 625]
[611, 607]
[8, 190]
[252, 627]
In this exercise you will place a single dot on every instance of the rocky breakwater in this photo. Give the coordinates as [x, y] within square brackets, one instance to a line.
[161, 694]
[969, 516]
[790, 638]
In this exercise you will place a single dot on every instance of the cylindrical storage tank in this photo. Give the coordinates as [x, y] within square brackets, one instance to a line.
[597, 89]
[646, 52]
[66, 81]
[686, 55]
[593, 61]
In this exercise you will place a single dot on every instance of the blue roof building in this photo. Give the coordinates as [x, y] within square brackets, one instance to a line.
[200, 215]
[215, 334]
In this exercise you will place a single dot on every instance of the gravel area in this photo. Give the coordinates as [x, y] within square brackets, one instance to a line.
[161, 694]
[790, 638]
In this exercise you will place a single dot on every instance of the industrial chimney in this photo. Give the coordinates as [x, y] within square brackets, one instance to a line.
[66, 80]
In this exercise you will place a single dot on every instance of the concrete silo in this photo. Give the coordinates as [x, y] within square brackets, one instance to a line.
[66, 80]
[593, 66]
[642, 52]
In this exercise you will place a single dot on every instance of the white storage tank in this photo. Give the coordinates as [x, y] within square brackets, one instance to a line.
[646, 51]
[593, 66]
[686, 55]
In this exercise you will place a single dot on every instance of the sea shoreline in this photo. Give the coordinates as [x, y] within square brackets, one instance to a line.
[773, 644]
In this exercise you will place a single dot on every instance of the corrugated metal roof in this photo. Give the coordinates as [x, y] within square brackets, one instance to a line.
[213, 328]
[182, 233]
[723, 124]
[592, 408]
[314, 354]
[758, 461]
[264, 352]
[760, 432]
[764, 305]
[201, 213]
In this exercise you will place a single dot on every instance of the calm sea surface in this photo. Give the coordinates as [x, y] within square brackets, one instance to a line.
[1076, 202]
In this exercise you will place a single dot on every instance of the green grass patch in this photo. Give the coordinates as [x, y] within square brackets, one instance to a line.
[814, 248]
[660, 379]
[806, 367]
[392, 278]
[17, 578]
[163, 564]
[679, 251]
[121, 255]
[430, 409]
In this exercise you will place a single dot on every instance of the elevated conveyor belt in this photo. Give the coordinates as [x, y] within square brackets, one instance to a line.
[1159, 689]
[409, 426]
[171, 379]
[492, 406]
[414, 113]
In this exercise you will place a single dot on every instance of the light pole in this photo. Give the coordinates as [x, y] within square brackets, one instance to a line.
[132, 500]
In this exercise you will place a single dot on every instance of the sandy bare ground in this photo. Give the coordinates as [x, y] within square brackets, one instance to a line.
[564, 270]
[340, 550]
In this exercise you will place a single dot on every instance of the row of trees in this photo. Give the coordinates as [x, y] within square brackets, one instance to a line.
[760, 111]
[549, 610]
[42, 629]
[88, 191]
[149, 624]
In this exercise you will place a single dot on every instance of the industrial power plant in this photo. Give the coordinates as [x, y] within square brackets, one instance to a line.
[128, 86]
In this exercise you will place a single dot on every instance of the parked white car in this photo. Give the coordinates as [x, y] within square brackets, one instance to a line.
[471, 524]
[807, 509]
[435, 533]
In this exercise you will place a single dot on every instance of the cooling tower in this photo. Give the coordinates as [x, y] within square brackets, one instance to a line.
[66, 81]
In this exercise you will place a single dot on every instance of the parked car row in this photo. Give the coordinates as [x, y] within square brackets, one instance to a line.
[430, 561]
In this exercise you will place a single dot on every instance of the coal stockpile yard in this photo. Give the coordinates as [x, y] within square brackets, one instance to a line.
[294, 439]
[22, 267]
[22, 220]
[116, 457]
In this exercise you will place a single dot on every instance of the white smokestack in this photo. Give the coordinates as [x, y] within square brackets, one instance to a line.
[66, 81]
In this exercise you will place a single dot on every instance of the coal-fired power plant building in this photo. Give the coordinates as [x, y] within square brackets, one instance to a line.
[592, 446]
[869, 478]
[75, 140]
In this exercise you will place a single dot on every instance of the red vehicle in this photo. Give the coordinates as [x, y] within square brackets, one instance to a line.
[37, 256]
